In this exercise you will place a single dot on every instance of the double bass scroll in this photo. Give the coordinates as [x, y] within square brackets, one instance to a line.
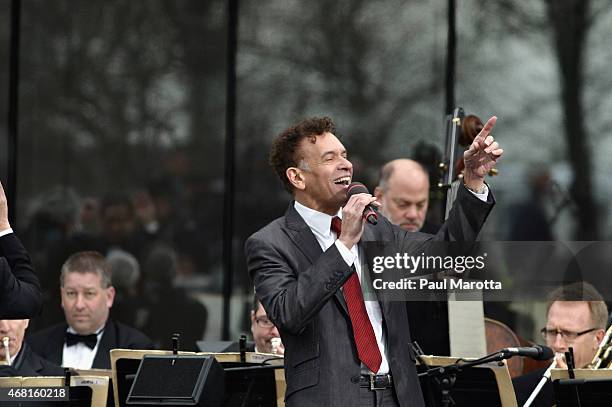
[451, 148]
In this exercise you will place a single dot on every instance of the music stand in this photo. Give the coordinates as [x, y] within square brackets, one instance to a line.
[490, 384]
[125, 363]
[252, 384]
[178, 380]
[592, 386]
[85, 391]
[110, 400]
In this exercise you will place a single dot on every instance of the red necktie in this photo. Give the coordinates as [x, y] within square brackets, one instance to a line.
[367, 347]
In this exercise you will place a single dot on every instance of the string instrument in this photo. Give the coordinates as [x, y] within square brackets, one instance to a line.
[447, 166]
[499, 336]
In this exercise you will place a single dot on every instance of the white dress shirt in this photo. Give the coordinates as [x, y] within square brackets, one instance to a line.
[320, 225]
[80, 356]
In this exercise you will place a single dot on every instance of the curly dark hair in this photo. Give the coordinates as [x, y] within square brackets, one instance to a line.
[283, 151]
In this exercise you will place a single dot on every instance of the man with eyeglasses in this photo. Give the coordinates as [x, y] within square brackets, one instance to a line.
[576, 317]
[265, 334]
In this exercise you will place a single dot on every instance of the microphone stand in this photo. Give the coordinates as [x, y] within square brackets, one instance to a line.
[242, 347]
[446, 375]
[418, 353]
[569, 357]
[175, 346]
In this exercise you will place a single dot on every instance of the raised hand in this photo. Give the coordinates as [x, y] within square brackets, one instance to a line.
[482, 155]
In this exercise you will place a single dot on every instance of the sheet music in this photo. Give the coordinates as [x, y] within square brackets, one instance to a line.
[466, 325]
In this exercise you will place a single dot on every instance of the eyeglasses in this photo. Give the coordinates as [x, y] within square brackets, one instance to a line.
[568, 336]
[264, 323]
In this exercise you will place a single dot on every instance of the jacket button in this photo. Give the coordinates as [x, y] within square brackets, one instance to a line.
[328, 287]
[355, 379]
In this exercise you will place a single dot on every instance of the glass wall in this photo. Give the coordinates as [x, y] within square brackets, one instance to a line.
[121, 139]
[5, 27]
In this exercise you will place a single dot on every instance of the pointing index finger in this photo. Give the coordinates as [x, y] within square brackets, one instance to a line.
[488, 126]
[485, 130]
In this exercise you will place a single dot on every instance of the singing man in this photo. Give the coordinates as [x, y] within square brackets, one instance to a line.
[306, 267]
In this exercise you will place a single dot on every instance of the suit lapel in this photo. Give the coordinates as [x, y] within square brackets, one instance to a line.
[301, 235]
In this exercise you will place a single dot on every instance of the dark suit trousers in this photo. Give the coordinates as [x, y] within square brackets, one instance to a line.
[377, 398]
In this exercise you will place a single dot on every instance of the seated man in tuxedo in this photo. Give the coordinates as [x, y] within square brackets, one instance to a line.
[266, 336]
[85, 340]
[20, 295]
[21, 361]
[576, 317]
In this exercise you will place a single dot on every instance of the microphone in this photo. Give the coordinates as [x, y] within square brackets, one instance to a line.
[369, 213]
[537, 352]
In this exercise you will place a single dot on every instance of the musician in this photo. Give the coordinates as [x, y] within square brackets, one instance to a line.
[84, 341]
[20, 295]
[342, 351]
[23, 361]
[403, 192]
[576, 317]
[265, 334]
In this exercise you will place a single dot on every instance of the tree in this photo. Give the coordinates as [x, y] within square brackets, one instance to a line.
[569, 23]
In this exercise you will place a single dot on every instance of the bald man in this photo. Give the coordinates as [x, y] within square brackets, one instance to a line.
[21, 360]
[403, 191]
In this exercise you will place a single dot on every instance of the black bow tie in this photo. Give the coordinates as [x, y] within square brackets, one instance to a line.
[89, 340]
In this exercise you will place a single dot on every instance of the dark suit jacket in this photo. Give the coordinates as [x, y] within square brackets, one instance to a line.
[30, 364]
[524, 386]
[20, 296]
[49, 343]
[299, 286]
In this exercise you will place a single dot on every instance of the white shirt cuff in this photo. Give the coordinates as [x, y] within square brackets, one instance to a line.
[6, 232]
[346, 254]
[482, 196]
